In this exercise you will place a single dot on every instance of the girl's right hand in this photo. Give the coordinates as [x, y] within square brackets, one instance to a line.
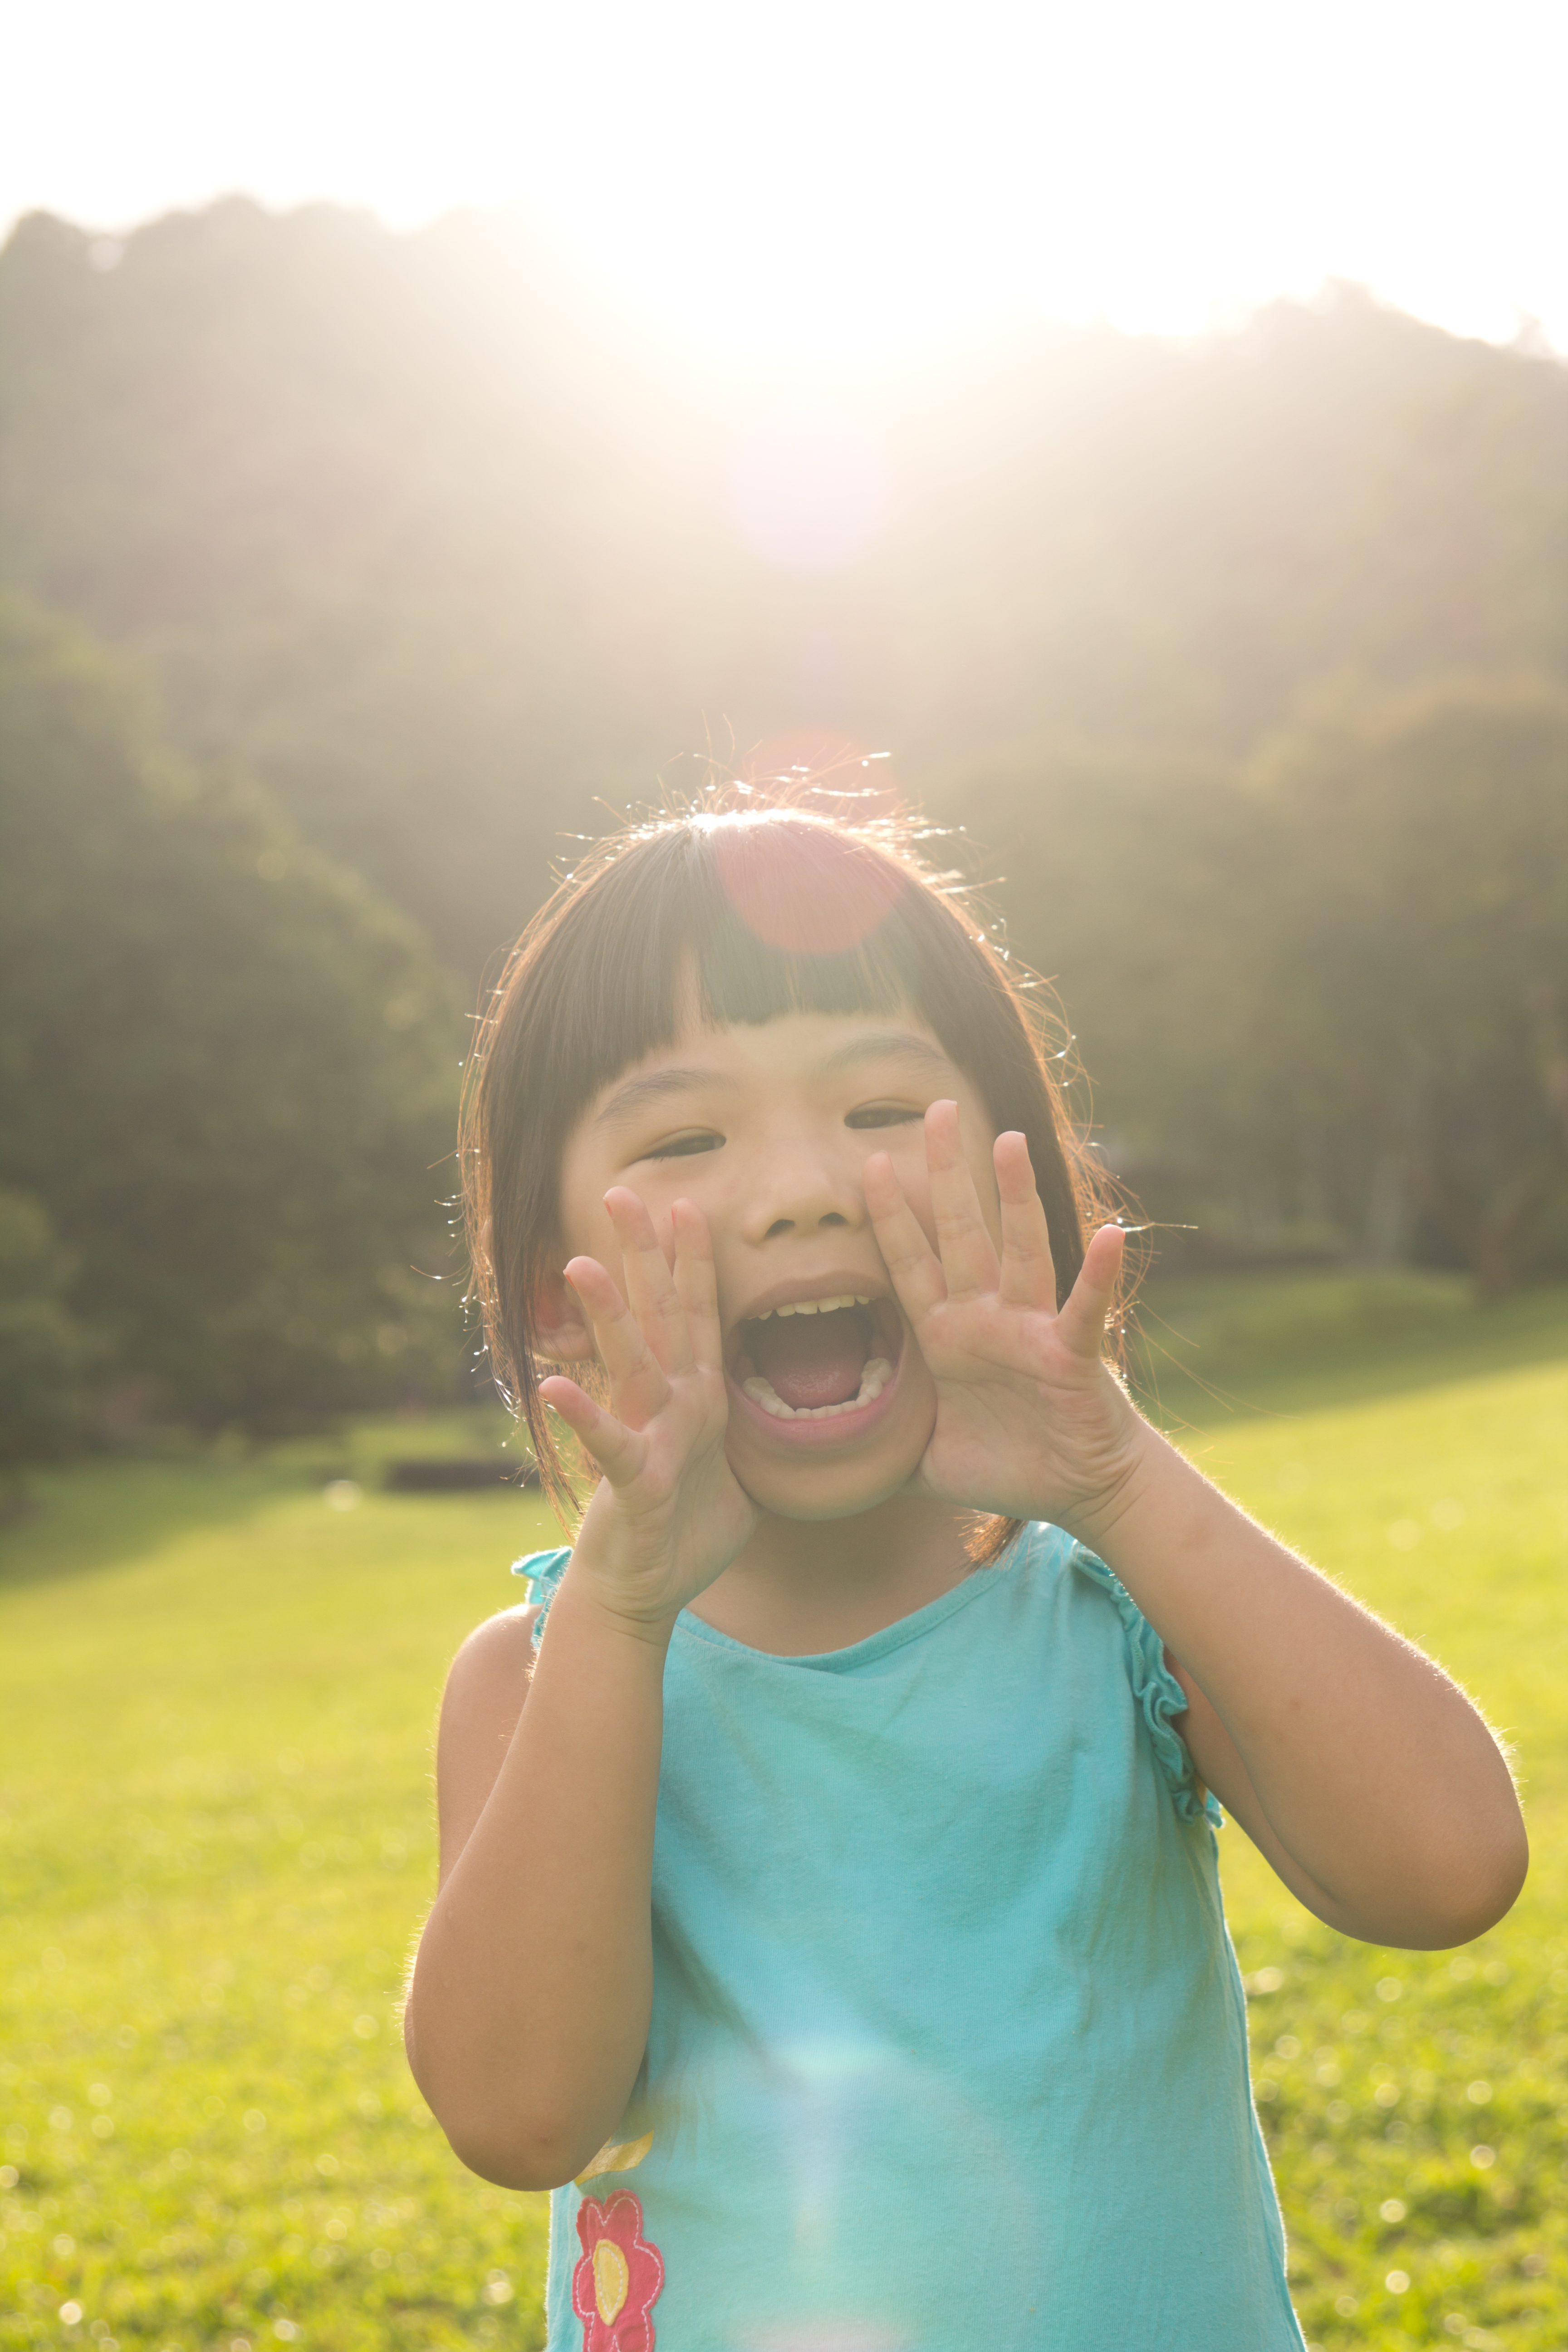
[669, 1516]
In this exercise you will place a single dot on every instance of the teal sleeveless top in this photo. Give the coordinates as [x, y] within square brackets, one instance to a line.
[948, 2048]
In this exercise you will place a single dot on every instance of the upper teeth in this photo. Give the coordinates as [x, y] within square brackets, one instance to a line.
[812, 1306]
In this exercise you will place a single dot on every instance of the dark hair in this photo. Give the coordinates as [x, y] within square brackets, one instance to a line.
[772, 909]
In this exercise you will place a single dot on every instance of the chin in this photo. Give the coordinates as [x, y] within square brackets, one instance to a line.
[847, 1505]
[797, 1483]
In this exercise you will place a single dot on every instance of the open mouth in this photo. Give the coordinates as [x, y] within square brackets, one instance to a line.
[819, 1359]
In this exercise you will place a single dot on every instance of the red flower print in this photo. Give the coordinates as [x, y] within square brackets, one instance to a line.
[617, 2284]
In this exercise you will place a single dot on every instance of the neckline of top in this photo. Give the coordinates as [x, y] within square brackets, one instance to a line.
[912, 1628]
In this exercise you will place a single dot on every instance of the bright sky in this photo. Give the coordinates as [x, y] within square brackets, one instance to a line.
[835, 172]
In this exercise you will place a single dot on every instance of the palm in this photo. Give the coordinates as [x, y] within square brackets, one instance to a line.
[670, 1513]
[1029, 1420]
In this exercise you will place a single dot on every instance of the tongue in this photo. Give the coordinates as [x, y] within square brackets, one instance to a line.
[812, 1360]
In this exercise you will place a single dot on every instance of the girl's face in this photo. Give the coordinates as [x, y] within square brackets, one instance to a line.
[767, 1128]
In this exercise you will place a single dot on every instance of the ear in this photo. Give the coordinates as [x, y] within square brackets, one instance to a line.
[560, 1328]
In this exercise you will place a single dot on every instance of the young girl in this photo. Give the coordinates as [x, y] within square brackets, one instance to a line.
[829, 1910]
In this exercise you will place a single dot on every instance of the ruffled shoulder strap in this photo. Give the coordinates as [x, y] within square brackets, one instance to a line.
[545, 1571]
[1158, 1693]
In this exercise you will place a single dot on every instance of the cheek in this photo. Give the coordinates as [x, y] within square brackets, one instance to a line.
[585, 1231]
[593, 1235]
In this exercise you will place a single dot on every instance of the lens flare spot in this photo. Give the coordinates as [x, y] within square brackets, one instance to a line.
[802, 887]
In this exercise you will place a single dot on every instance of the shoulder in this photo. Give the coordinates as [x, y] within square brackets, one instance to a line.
[495, 1662]
[486, 1688]
[1048, 1569]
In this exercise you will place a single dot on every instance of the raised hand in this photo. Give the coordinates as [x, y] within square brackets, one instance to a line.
[668, 1516]
[1030, 1421]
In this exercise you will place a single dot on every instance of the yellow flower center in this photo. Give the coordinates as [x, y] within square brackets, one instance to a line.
[611, 2278]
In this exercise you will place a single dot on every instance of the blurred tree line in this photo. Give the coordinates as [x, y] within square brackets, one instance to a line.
[228, 1080]
[1242, 663]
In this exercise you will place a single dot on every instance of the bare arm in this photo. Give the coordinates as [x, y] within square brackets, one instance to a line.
[527, 2010]
[1361, 1770]
[1357, 1766]
[529, 2007]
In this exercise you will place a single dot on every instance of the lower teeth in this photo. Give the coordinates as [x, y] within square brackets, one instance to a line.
[873, 1380]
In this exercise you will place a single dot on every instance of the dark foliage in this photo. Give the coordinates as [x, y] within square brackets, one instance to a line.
[44, 1353]
[227, 1071]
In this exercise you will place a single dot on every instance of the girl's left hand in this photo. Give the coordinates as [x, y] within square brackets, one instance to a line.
[1030, 1421]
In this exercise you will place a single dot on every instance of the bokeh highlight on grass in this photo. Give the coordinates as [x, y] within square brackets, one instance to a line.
[217, 1680]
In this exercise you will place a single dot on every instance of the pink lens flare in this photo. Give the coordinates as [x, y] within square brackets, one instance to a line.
[803, 888]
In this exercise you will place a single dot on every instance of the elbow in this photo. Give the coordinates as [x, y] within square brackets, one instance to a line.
[509, 2146]
[1445, 1882]
[515, 2157]
[1490, 1888]
[494, 2127]
[1464, 1891]
[501, 2149]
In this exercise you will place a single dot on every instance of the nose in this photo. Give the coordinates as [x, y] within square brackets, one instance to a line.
[802, 1190]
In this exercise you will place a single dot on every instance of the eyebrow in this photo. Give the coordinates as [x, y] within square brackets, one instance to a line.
[636, 1093]
[880, 1046]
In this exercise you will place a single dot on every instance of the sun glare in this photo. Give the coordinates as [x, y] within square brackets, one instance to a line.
[846, 175]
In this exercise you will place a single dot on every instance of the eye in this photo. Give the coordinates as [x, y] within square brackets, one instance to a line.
[883, 1115]
[685, 1147]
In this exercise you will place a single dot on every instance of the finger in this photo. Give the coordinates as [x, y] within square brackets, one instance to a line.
[968, 1251]
[651, 1293]
[1028, 1275]
[1082, 1320]
[911, 1262]
[637, 1382]
[697, 1283]
[617, 1450]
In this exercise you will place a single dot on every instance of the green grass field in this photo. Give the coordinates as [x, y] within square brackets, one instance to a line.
[217, 1689]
